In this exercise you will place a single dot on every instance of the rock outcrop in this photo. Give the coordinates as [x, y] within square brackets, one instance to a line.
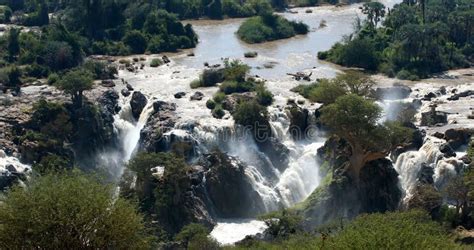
[161, 121]
[229, 189]
[434, 118]
[137, 104]
[299, 122]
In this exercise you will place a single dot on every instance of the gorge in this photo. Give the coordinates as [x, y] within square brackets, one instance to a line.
[235, 178]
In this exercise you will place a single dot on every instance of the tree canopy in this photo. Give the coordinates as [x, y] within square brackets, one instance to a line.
[71, 211]
[356, 120]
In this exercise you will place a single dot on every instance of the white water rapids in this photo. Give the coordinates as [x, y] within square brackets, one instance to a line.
[277, 189]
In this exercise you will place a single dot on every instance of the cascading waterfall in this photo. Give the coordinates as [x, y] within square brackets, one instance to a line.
[128, 131]
[409, 164]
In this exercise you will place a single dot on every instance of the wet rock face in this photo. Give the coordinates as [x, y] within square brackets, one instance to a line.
[393, 93]
[447, 150]
[161, 121]
[433, 117]
[379, 190]
[299, 122]
[138, 103]
[425, 175]
[457, 137]
[276, 151]
[229, 189]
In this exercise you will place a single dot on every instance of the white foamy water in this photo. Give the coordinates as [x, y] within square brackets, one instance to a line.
[230, 231]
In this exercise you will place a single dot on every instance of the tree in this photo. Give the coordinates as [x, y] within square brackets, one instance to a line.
[74, 83]
[375, 11]
[70, 211]
[13, 44]
[355, 120]
[355, 82]
[326, 92]
[136, 41]
[460, 190]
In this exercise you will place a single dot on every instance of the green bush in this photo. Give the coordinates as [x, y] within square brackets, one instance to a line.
[86, 215]
[394, 230]
[196, 83]
[210, 77]
[230, 87]
[264, 97]
[210, 104]
[156, 62]
[218, 112]
[219, 97]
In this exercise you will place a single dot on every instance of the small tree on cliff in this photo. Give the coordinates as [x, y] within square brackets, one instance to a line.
[74, 83]
[355, 120]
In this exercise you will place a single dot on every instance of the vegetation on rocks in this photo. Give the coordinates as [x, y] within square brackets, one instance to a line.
[416, 39]
[409, 230]
[269, 27]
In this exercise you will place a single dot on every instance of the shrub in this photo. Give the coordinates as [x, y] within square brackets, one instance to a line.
[53, 79]
[219, 97]
[218, 112]
[230, 87]
[156, 62]
[195, 236]
[196, 83]
[407, 75]
[264, 97]
[210, 77]
[210, 104]
[85, 214]
[250, 114]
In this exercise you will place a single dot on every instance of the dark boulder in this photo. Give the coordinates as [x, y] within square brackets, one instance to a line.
[179, 95]
[229, 188]
[433, 117]
[129, 87]
[197, 96]
[457, 137]
[137, 104]
[125, 92]
[426, 174]
[456, 97]
[429, 96]
[299, 122]
[447, 150]
[108, 83]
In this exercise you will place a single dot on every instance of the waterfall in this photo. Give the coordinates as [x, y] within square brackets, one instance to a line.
[409, 164]
[128, 131]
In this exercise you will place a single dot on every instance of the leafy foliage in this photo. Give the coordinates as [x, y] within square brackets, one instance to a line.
[269, 27]
[395, 230]
[413, 43]
[86, 215]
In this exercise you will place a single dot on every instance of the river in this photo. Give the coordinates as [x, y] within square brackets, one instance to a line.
[217, 40]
